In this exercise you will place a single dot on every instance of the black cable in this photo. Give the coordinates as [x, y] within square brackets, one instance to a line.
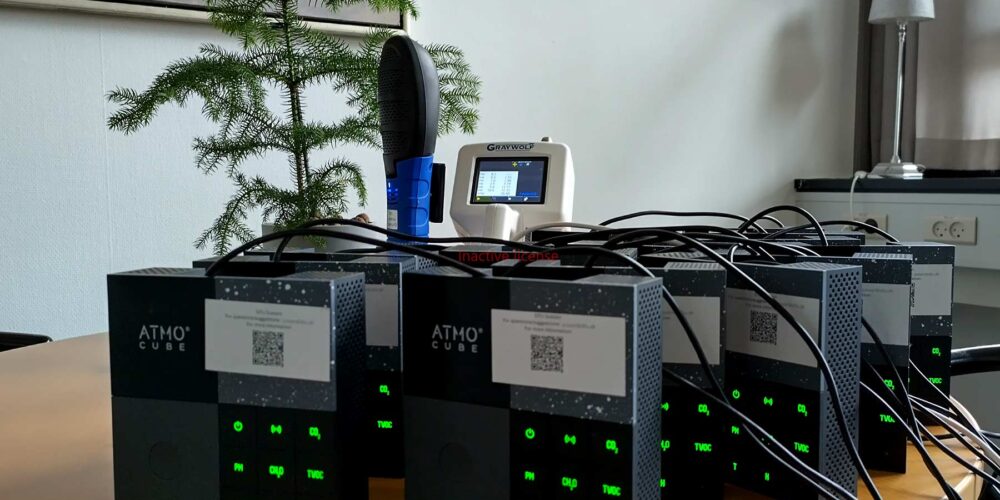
[958, 414]
[790, 208]
[748, 422]
[668, 213]
[440, 259]
[948, 490]
[700, 354]
[979, 359]
[739, 239]
[888, 361]
[821, 361]
[565, 239]
[915, 431]
[959, 437]
[408, 237]
[856, 224]
[954, 456]
[810, 343]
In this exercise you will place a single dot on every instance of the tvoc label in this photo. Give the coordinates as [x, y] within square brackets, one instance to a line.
[887, 309]
[932, 293]
[704, 314]
[392, 219]
[754, 327]
[382, 315]
[275, 340]
[573, 352]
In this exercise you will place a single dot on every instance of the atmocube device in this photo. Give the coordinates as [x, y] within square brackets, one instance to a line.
[383, 395]
[531, 389]
[409, 107]
[931, 324]
[503, 187]
[887, 292]
[235, 387]
[691, 426]
[772, 377]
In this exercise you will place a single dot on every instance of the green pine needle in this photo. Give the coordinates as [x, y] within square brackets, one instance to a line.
[278, 50]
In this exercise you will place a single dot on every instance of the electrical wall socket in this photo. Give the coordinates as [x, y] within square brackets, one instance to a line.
[950, 229]
[880, 221]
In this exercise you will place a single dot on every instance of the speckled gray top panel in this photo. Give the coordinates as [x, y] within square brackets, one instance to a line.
[256, 390]
[589, 299]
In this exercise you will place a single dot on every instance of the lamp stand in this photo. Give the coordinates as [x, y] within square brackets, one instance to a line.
[895, 168]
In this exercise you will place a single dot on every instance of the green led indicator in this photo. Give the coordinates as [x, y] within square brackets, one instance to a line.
[768, 401]
[665, 406]
[734, 465]
[276, 429]
[314, 433]
[570, 483]
[767, 476]
[529, 433]
[276, 470]
[886, 419]
[889, 384]
[735, 430]
[663, 483]
[936, 380]
[801, 408]
[664, 444]
[736, 394]
[703, 447]
[315, 474]
[703, 408]
[238, 426]
[384, 424]
[936, 351]
[801, 448]
[569, 439]
[383, 389]
[529, 475]
[237, 466]
[611, 491]
[611, 445]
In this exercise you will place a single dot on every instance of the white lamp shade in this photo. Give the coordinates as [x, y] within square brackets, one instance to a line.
[894, 11]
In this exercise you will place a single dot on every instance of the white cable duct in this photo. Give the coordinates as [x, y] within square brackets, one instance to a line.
[966, 433]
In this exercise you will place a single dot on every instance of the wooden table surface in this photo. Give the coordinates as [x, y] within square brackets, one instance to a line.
[55, 432]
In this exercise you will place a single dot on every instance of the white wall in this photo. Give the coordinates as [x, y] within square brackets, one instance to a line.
[672, 104]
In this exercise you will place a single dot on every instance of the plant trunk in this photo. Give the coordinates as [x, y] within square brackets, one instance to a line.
[300, 155]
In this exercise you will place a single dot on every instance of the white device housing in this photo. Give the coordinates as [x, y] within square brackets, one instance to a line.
[500, 220]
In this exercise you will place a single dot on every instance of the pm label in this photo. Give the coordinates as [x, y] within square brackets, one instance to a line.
[887, 309]
[932, 292]
[572, 352]
[704, 314]
[382, 315]
[273, 340]
[754, 327]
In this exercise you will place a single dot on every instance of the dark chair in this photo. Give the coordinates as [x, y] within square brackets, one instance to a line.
[10, 341]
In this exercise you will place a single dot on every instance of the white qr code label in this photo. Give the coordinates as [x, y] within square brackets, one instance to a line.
[572, 352]
[276, 340]
[754, 327]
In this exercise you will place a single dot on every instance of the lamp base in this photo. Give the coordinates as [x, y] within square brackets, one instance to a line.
[898, 171]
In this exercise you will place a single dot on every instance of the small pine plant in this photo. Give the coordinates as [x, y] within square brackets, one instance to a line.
[279, 51]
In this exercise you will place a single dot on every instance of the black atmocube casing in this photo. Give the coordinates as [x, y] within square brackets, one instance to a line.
[408, 101]
[772, 377]
[183, 431]
[690, 441]
[468, 436]
[888, 296]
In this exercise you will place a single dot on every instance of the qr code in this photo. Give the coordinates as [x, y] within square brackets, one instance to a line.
[764, 327]
[268, 348]
[546, 353]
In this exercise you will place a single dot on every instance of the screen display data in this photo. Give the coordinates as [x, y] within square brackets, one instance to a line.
[509, 180]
